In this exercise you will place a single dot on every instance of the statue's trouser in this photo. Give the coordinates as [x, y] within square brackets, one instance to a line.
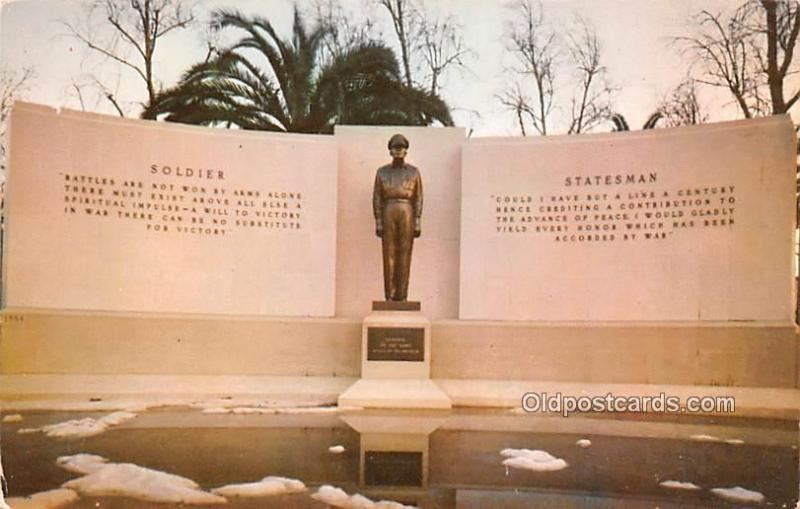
[398, 239]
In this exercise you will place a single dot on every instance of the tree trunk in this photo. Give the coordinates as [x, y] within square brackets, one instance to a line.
[774, 75]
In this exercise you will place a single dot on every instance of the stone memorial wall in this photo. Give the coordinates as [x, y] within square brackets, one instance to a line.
[124, 215]
[690, 224]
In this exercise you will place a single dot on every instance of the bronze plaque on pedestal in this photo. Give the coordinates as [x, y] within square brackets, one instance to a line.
[396, 344]
[392, 468]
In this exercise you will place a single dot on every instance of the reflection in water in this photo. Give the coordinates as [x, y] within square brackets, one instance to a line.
[432, 460]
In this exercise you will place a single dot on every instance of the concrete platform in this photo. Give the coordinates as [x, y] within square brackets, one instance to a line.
[73, 392]
[394, 393]
[68, 357]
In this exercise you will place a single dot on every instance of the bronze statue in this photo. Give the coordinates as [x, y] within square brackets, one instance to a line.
[397, 205]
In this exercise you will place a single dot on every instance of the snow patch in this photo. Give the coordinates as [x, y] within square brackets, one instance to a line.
[679, 485]
[12, 418]
[584, 442]
[336, 449]
[704, 438]
[269, 486]
[80, 428]
[52, 499]
[129, 480]
[332, 496]
[734, 441]
[117, 418]
[739, 494]
[81, 463]
[229, 403]
[264, 410]
[536, 460]
[338, 498]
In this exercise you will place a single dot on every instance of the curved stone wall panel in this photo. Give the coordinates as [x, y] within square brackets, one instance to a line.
[127, 215]
[686, 224]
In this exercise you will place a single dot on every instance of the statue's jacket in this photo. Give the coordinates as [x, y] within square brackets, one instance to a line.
[393, 183]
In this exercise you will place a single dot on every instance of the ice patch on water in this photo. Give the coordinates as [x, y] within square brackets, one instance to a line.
[228, 403]
[704, 438]
[389, 504]
[332, 496]
[117, 418]
[338, 498]
[80, 428]
[52, 499]
[336, 449]
[129, 480]
[265, 410]
[679, 485]
[584, 442]
[359, 501]
[81, 463]
[739, 494]
[269, 486]
[12, 418]
[536, 460]
[76, 428]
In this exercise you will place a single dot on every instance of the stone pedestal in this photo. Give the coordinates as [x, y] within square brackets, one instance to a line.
[395, 364]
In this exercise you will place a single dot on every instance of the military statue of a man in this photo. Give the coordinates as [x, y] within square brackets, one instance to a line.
[397, 205]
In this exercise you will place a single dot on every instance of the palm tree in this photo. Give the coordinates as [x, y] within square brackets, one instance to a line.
[263, 82]
[620, 124]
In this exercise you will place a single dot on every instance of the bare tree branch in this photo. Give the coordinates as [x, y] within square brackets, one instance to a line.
[681, 105]
[723, 47]
[13, 85]
[344, 29]
[429, 41]
[544, 57]
[515, 100]
[127, 32]
[406, 27]
[750, 52]
[591, 104]
[533, 46]
[442, 47]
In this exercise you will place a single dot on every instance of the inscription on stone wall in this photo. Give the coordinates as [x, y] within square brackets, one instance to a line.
[204, 205]
[140, 216]
[586, 209]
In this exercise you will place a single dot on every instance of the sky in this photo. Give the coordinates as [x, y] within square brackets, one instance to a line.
[636, 36]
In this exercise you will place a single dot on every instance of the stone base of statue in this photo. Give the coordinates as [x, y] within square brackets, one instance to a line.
[395, 364]
[391, 305]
